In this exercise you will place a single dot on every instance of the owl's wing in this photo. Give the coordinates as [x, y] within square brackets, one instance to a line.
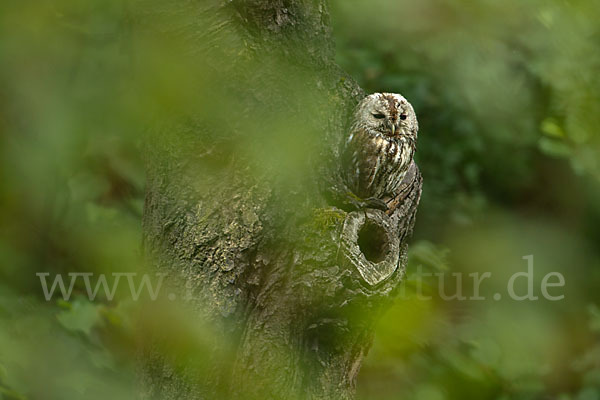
[340, 183]
[409, 182]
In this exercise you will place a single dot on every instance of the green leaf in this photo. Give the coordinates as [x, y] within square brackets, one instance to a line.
[554, 148]
[82, 317]
[429, 255]
[551, 128]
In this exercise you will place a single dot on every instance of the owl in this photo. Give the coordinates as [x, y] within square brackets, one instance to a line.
[380, 147]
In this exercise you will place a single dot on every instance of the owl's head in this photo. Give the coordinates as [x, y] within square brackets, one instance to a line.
[389, 114]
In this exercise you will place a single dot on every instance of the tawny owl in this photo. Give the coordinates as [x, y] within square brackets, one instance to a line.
[381, 146]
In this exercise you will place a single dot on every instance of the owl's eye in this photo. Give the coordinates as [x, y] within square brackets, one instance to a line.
[379, 116]
[403, 116]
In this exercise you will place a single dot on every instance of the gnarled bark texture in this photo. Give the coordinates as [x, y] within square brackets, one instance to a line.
[294, 284]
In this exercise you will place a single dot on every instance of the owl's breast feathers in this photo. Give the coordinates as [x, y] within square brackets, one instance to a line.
[376, 164]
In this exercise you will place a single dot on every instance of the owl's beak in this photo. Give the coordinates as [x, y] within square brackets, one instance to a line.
[393, 129]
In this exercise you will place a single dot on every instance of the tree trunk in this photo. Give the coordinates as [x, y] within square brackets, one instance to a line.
[237, 214]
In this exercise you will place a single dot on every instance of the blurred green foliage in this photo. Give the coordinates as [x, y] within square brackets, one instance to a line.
[508, 99]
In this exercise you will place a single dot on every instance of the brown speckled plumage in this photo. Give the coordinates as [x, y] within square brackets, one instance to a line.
[381, 145]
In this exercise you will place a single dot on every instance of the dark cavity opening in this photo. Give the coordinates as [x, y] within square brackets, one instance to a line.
[373, 243]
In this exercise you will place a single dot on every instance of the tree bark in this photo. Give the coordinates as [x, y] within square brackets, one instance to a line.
[238, 217]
